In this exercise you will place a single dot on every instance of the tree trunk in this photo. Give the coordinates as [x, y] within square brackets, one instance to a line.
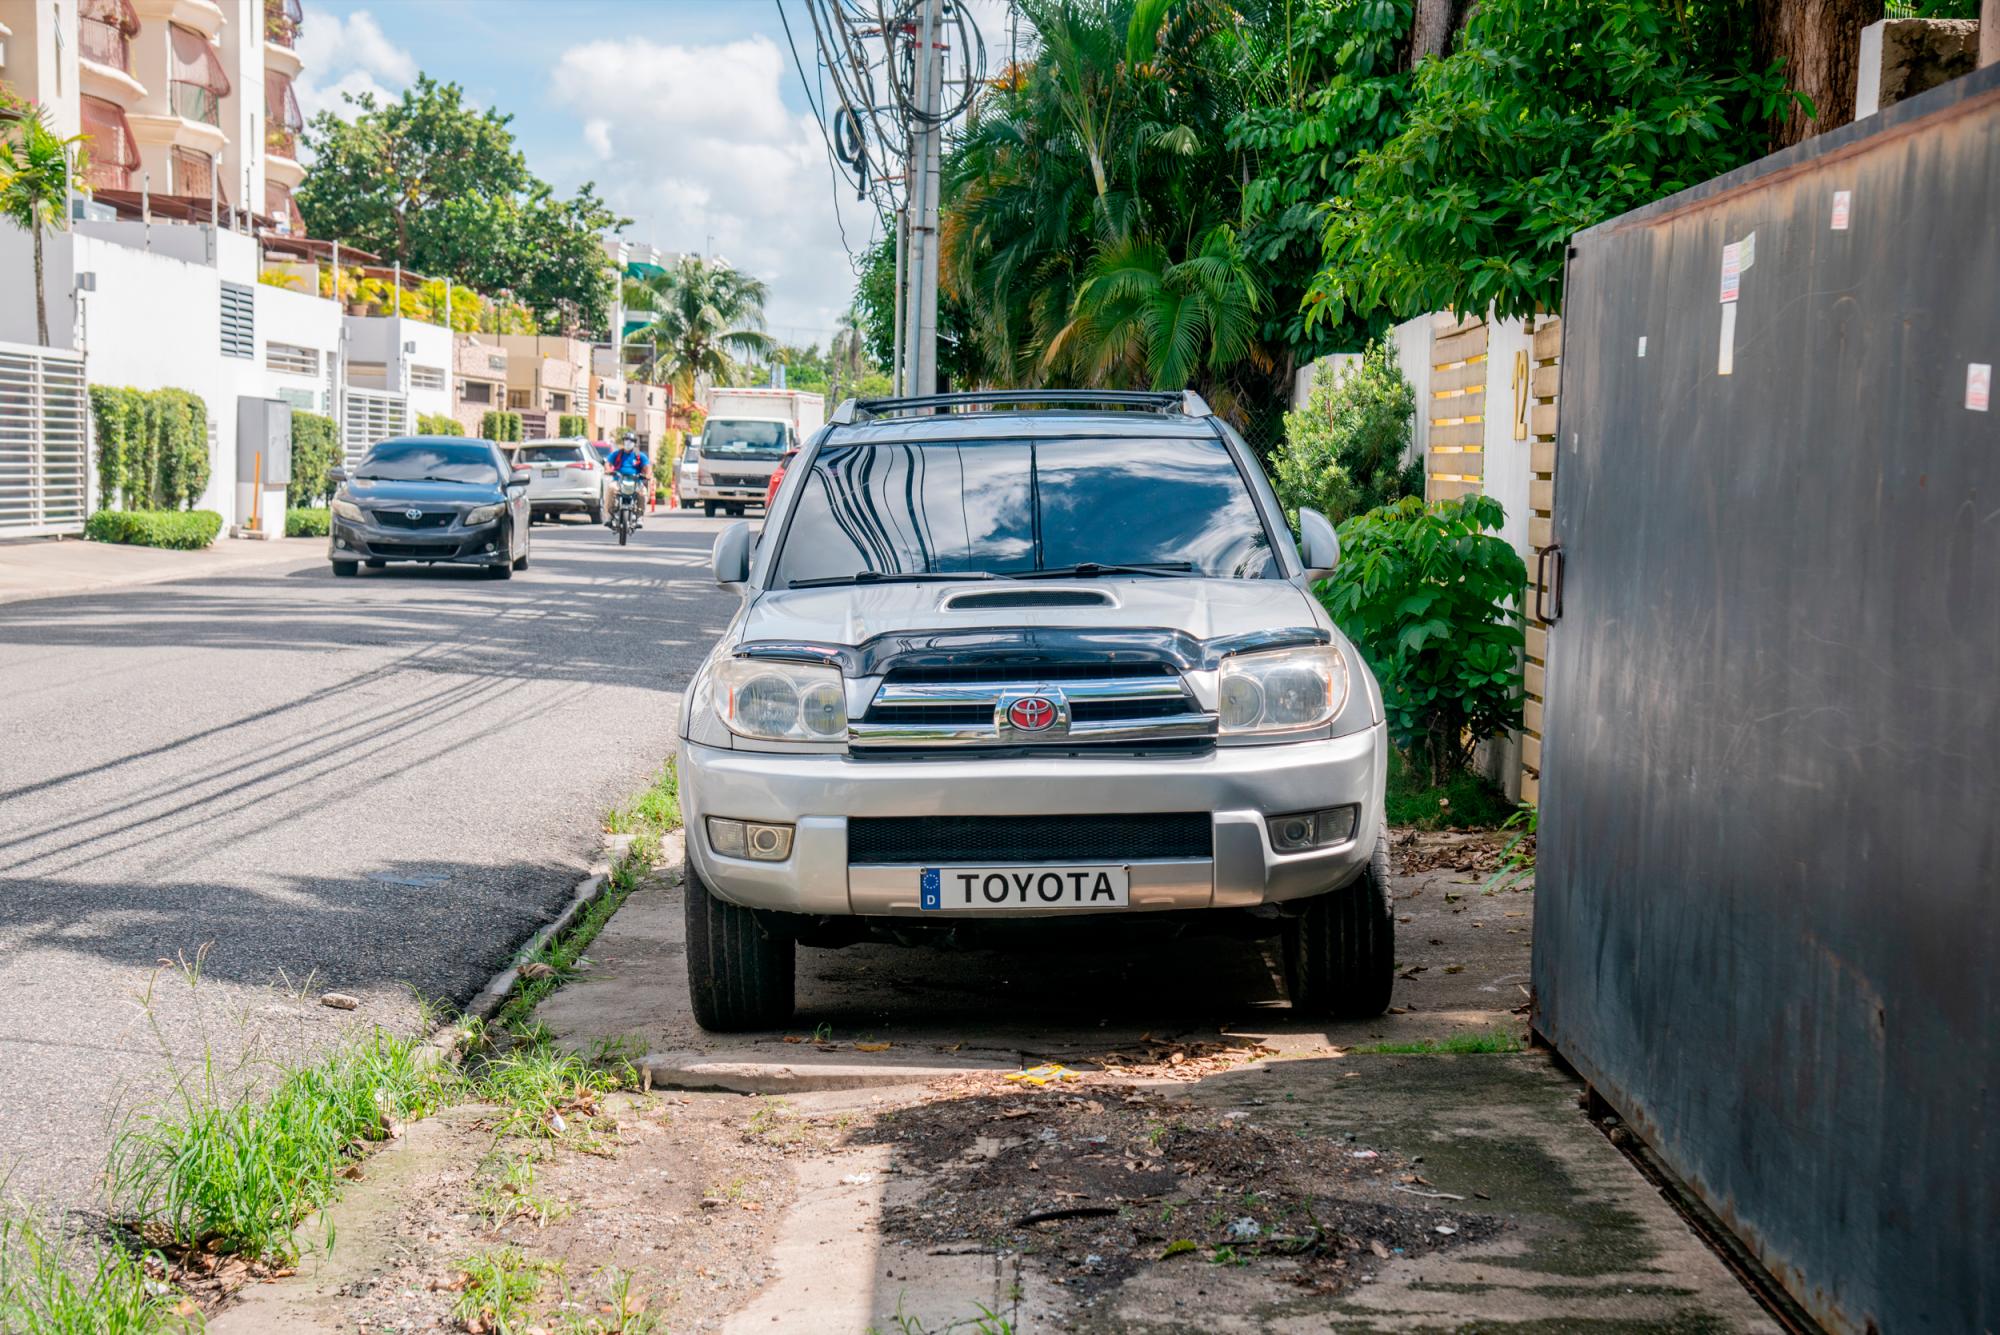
[41, 298]
[1820, 43]
[1989, 34]
[1434, 25]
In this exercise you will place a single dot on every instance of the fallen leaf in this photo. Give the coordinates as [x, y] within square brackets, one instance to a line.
[871, 1047]
[1456, 968]
[1375, 1245]
[794, 1038]
[537, 969]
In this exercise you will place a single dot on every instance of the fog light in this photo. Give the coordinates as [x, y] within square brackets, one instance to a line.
[340, 543]
[489, 546]
[740, 839]
[1306, 830]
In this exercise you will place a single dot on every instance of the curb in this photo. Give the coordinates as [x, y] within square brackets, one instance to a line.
[690, 1072]
[446, 1038]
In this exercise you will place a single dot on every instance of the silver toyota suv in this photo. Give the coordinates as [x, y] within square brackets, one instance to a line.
[1044, 655]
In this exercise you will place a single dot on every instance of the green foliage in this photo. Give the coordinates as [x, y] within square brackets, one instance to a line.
[572, 424]
[1430, 596]
[1467, 800]
[959, 361]
[182, 530]
[428, 181]
[438, 424]
[500, 427]
[501, 1283]
[1546, 119]
[1498, 1041]
[38, 168]
[309, 523]
[1343, 452]
[703, 315]
[49, 1287]
[315, 450]
[152, 446]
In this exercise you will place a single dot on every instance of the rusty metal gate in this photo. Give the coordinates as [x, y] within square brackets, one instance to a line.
[1768, 917]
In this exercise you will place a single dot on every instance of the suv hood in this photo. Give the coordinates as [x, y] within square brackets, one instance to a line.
[1204, 608]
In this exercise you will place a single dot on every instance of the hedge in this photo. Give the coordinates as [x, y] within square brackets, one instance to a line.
[152, 447]
[572, 424]
[438, 424]
[305, 523]
[500, 426]
[184, 530]
[315, 449]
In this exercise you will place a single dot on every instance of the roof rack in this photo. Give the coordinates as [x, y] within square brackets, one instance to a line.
[1184, 402]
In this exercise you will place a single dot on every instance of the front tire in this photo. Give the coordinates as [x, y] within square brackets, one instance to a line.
[346, 569]
[1340, 953]
[740, 974]
[708, 508]
[504, 571]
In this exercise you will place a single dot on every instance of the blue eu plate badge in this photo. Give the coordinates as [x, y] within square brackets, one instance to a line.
[932, 888]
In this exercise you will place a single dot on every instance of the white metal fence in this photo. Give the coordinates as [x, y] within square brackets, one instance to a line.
[371, 417]
[44, 442]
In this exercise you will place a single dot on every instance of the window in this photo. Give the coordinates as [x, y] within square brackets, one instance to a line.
[518, 399]
[475, 391]
[1010, 506]
[745, 440]
[239, 320]
[558, 403]
[291, 358]
[426, 377]
[430, 460]
[551, 454]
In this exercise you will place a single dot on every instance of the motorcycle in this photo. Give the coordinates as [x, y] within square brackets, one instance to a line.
[625, 508]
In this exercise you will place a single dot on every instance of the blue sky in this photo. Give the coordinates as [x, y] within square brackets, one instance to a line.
[686, 113]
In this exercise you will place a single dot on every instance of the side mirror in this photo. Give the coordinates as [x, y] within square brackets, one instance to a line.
[731, 558]
[336, 475]
[1319, 545]
[520, 476]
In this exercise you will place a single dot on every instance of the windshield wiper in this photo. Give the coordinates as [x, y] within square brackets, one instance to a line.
[878, 577]
[1087, 569]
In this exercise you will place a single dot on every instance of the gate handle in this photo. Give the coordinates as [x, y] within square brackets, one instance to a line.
[1542, 555]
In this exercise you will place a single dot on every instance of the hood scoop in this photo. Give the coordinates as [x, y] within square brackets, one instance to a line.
[979, 600]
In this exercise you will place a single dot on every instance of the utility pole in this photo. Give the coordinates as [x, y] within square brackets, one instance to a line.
[926, 152]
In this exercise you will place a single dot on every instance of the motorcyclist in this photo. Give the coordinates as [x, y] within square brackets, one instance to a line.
[632, 461]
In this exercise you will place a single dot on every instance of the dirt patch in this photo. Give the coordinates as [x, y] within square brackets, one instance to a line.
[1098, 1181]
[670, 1204]
[1413, 852]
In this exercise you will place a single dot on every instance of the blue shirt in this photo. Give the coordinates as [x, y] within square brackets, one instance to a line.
[630, 463]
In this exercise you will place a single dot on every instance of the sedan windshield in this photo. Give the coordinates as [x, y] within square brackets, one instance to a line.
[1177, 506]
[428, 461]
[743, 440]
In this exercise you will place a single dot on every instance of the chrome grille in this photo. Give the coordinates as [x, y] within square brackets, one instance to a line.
[1094, 705]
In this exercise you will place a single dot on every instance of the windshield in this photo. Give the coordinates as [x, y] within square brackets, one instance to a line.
[1013, 506]
[743, 440]
[428, 461]
[550, 454]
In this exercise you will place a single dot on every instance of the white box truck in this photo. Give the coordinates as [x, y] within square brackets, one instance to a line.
[747, 434]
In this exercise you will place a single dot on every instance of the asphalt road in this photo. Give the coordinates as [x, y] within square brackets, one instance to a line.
[288, 784]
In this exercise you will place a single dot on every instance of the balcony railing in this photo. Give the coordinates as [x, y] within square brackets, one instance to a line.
[281, 142]
[105, 44]
[192, 102]
[281, 22]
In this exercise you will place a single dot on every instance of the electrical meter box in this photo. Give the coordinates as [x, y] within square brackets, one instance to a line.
[264, 430]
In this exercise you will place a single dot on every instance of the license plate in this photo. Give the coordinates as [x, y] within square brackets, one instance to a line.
[552, 472]
[948, 889]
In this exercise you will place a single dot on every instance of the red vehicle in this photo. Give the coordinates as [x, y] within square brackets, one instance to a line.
[777, 476]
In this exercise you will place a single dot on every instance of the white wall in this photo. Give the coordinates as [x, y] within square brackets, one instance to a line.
[1507, 470]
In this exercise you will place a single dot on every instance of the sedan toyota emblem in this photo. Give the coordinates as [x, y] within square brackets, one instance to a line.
[1032, 713]
[413, 515]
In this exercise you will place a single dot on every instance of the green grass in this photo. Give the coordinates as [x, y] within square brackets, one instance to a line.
[500, 1284]
[1458, 1044]
[93, 1288]
[1466, 801]
[654, 811]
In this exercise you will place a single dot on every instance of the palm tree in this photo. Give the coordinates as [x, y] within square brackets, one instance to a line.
[704, 315]
[37, 170]
[848, 352]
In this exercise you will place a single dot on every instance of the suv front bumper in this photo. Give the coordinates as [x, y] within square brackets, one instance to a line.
[1239, 785]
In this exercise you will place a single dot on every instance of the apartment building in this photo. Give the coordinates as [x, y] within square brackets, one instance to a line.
[182, 99]
[548, 376]
[479, 368]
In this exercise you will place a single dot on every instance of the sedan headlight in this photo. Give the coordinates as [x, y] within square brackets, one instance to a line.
[485, 514]
[780, 702]
[1283, 690]
[348, 510]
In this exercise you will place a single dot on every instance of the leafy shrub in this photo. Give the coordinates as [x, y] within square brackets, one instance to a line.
[572, 424]
[184, 530]
[1343, 452]
[500, 427]
[438, 424]
[315, 449]
[152, 446]
[1430, 597]
[306, 523]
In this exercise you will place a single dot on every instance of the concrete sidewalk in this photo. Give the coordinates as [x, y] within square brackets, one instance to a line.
[59, 567]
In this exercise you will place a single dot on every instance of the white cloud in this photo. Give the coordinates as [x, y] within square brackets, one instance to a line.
[350, 55]
[697, 142]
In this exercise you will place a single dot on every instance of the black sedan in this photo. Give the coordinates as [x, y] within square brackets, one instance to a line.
[435, 499]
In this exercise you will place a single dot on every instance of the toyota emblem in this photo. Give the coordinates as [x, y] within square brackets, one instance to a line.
[1032, 713]
[413, 515]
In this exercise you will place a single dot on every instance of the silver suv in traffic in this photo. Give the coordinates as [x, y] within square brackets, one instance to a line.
[1044, 655]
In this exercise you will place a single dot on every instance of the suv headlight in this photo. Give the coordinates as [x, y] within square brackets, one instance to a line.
[780, 702]
[485, 514]
[1283, 690]
[350, 511]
